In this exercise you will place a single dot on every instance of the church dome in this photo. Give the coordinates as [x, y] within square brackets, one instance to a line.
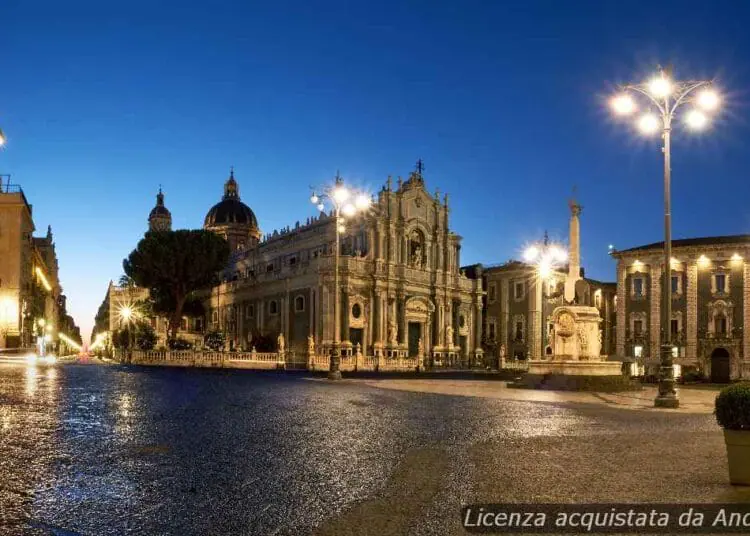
[160, 219]
[230, 210]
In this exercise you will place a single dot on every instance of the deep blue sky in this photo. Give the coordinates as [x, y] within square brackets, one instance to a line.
[504, 100]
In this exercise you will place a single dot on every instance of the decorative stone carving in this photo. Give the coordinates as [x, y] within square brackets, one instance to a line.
[392, 333]
[420, 348]
[280, 343]
[449, 335]
[310, 345]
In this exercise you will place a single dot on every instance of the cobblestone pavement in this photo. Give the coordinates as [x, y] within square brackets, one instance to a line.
[102, 450]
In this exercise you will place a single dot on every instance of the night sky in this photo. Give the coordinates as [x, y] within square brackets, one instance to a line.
[504, 100]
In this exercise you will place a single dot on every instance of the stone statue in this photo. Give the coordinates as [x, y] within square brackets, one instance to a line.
[392, 333]
[600, 338]
[416, 257]
[420, 348]
[280, 343]
[583, 338]
[310, 345]
[449, 335]
[502, 351]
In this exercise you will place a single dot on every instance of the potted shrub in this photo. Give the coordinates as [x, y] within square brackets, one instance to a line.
[733, 414]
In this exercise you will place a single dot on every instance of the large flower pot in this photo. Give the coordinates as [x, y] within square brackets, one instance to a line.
[738, 456]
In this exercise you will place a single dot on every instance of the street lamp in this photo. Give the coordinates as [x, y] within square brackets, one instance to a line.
[3, 139]
[127, 315]
[344, 201]
[546, 258]
[663, 96]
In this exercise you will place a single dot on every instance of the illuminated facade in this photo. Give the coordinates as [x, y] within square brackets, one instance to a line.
[402, 289]
[710, 292]
[30, 293]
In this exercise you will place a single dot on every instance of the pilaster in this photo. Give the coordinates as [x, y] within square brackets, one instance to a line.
[745, 312]
[655, 311]
[691, 320]
[504, 311]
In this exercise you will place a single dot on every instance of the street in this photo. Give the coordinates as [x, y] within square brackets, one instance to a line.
[106, 449]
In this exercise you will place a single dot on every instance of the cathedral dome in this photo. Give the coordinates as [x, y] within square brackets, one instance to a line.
[160, 219]
[230, 210]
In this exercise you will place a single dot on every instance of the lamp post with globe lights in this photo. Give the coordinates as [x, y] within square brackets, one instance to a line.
[659, 99]
[2, 138]
[546, 259]
[345, 203]
[128, 316]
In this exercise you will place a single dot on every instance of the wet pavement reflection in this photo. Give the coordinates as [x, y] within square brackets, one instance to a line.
[101, 450]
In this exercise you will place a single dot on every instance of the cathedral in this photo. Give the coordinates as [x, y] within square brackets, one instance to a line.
[402, 291]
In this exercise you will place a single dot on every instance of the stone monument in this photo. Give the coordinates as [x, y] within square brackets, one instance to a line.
[576, 342]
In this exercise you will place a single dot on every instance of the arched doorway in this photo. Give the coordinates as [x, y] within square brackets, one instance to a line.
[720, 370]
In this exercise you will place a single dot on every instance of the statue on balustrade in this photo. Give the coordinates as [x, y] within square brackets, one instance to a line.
[310, 345]
[449, 336]
[280, 343]
[392, 333]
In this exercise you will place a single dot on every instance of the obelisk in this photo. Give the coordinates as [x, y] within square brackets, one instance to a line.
[574, 253]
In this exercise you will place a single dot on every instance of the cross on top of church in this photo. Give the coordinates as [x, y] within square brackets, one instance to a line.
[420, 166]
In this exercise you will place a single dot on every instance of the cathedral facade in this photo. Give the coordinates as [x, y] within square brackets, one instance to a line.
[402, 291]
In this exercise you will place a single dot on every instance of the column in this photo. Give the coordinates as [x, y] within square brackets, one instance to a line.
[535, 324]
[261, 314]
[504, 308]
[311, 307]
[344, 312]
[242, 307]
[621, 310]
[691, 313]
[404, 336]
[477, 325]
[655, 311]
[745, 317]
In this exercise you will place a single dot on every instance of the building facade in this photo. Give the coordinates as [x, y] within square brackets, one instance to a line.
[402, 292]
[30, 293]
[519, 307]
[710, 292]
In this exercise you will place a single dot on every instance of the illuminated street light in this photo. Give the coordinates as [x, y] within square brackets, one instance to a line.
[623, 104]
[546, 259]
[696, 120]
[663, 96]
[338, 195]
[648, 124]
[2, 138]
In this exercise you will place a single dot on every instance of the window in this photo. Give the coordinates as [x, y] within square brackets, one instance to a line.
[720, 324]
[638, 287]
[519, 331]
[273, 307]
[675, 284]
[356, 310]
[598, 299]
[184, 324]
[675, 326]
[518, 290]
[199, 324]
[299, 304]
[292, 261]
[675, 351]
[215, 317]
[269, 267]
[637, 327]
[492, 292]
[249, 310]
[721, 282]
[638, 351]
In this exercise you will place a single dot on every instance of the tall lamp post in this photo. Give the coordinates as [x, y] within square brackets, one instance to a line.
[546, 258]
[660, 98]
[2, 138]
[127, 315]
[345, 203]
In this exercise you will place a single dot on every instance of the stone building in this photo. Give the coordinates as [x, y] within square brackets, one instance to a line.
[710, 305]
[401, 289]
[519, 307]
[30, 292]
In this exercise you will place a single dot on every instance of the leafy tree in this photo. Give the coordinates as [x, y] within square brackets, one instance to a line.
[214, 340]
[145, 336]
[172, 265]
[121, 338]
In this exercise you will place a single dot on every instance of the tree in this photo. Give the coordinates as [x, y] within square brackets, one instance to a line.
[214, 340]
[173, 264]
[145, 336]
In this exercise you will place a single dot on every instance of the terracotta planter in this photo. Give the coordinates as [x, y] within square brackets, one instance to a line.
[738, 456]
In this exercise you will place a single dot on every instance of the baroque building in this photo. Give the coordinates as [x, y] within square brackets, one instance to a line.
[710, 292]
[402, 292]
[30, 292]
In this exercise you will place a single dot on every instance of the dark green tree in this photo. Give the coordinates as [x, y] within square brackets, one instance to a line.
[172, 265]
[145, 336]
[214, 340]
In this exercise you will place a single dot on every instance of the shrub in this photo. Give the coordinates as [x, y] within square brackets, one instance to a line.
[145, 337]
[733, 407]
[179, 344]
[214, 340]
[564, 382]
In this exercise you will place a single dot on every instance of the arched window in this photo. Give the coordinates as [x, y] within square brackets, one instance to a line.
[273, 307]
[299, 304]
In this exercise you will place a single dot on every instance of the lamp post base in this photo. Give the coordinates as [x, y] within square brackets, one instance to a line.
[334, 371]
[667, 395]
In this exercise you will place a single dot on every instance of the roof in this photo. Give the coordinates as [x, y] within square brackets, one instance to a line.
[687, 242]
[230, 210]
